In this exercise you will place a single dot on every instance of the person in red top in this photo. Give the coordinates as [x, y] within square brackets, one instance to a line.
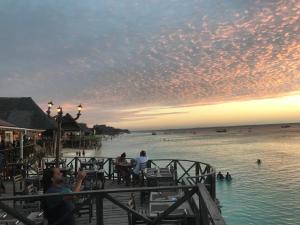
[123, 168]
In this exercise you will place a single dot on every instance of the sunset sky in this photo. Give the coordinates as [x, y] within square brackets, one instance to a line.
[154, 64]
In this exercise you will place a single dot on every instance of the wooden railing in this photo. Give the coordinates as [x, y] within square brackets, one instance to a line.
[181, 168]
[195, 179]
[206, 213]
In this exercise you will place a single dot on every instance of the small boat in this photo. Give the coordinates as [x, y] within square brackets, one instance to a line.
[221, 130]
[285, 126]
[154, 133]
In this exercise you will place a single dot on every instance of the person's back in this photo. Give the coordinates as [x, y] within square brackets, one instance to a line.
[228, 176]
[141, 163]
[121, 159]
[220, 176]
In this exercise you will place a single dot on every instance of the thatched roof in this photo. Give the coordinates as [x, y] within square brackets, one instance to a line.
[6, 124]
[69, 124]
[25, 113]
[84, 128]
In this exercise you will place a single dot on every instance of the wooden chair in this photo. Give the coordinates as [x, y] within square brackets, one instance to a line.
[86, 209]
[18, 186]
[115, 172]
[36, 179]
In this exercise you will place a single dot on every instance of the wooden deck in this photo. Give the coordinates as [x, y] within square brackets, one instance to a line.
[113, 214]
[194, 179]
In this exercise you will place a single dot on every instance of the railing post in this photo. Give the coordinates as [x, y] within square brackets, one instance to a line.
[109, 168]
[149, 162]
[197, 171]
[175, 171]
[203, 211]
[76, 166]
[99, 210]
[213, 186]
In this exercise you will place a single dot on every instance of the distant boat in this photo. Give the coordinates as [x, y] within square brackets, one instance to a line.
[221, 130]
[154, 133]
[285, 126]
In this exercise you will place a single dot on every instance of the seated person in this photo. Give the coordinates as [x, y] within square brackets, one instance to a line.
[59, 208]
[228, 176]
[123, 167]
[141, 164]
[220, 176]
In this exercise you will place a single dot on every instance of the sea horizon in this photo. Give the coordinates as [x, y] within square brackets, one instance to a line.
[288, 124]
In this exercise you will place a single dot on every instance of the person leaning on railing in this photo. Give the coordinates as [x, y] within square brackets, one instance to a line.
[141, 164]
[59, 208]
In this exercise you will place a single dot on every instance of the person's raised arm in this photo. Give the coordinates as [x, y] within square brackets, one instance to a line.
[81, 175]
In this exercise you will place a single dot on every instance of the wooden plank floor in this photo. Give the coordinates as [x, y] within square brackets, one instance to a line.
[113, 214]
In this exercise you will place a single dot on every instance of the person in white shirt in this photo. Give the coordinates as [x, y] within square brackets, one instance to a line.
[141, 163]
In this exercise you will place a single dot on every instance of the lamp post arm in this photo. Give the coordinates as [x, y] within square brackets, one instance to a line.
[77, 116]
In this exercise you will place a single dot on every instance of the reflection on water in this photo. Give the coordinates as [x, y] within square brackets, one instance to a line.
[268, 193]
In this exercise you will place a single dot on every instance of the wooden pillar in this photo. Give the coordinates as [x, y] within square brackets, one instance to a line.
[58, 142]
[175, 171]
[99, 210]
[76, 165]
[80, 139]
[109, 168]
[197, 172]
[54, 142]
[21, 144]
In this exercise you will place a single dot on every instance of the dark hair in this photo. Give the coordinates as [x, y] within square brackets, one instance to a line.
[123, 155]
[47, 175]
[143, 153]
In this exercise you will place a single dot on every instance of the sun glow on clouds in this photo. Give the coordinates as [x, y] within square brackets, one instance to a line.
[205, 59]
[281, 109]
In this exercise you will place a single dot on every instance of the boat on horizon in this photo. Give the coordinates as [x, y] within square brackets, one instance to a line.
[223, 130]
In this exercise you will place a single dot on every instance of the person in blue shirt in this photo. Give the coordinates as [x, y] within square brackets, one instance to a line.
[59, 208]
[140, 164]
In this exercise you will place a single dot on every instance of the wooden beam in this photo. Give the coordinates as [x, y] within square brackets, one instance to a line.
[187, 196]
[121, 205]
[16, 214]
[210, 205]
[99, 210]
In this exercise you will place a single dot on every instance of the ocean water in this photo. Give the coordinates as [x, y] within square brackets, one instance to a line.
[268, 193]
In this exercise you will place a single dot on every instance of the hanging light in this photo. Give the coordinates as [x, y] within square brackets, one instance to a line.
[79, 107]
[50, 104]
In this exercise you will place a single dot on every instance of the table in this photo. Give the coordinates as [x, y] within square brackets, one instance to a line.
[94, 175]
[159, 176]
[161, 201]
[165, 196]
[87, 165]
[65, 171]
[124, 171]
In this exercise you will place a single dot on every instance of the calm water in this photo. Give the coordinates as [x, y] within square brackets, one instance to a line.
[258, 194]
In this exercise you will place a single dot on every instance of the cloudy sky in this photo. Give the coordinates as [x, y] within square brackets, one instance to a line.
[155, 63]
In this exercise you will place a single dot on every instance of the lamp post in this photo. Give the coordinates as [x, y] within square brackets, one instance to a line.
[58, 118]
